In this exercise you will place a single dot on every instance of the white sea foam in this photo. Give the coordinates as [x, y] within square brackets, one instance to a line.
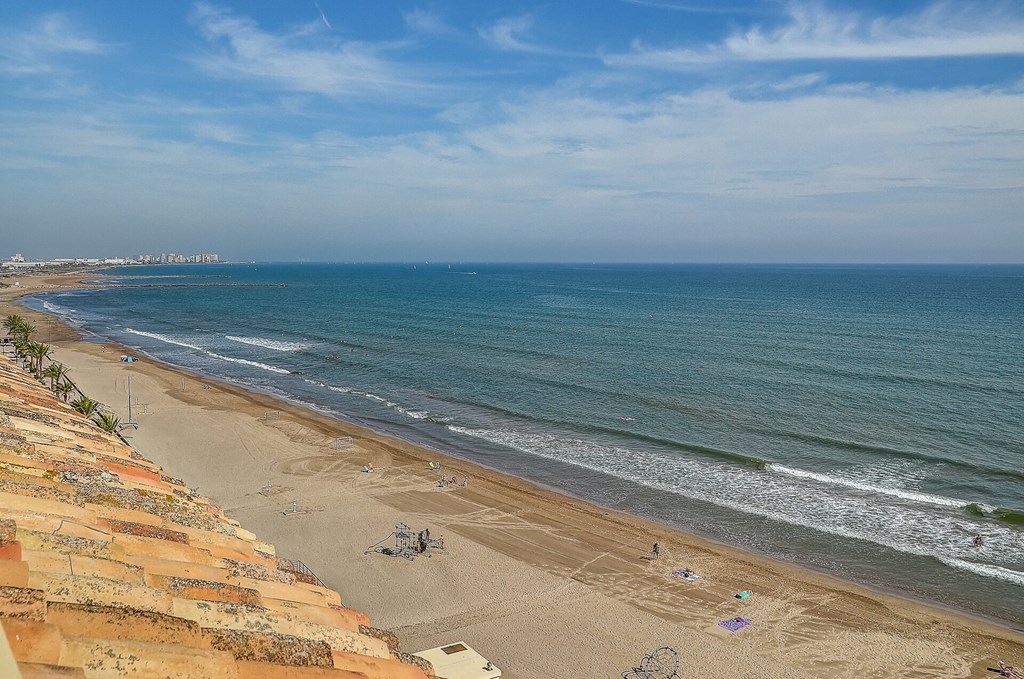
[938, 531]
[870, 488]
[165, 338]
[61, 311]
[255, 364]
[1007, 574]
[276, 345]
[381, 399]
[231, 359]
[413, 414]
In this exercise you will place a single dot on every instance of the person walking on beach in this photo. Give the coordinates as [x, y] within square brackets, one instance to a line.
[656, 551]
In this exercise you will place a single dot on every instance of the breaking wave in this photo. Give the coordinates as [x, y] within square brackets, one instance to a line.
[207, 352]
[276, 345]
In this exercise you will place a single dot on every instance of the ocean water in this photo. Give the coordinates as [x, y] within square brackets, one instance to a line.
[861, 420]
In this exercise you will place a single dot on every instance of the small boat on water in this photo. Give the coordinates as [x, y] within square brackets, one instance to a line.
[627, 419]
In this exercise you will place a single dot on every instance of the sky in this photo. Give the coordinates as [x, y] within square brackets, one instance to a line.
[460, 130]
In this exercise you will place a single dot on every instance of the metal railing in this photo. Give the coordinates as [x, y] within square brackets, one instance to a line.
[296, 566]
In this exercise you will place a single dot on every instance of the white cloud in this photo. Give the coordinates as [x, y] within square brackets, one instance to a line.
[797, 82]
[291, 62]
[825, 166]
[814, 32]
[712, 7]
[868, 166]
[516, 34]
[224, 134]
[39, 48]
[511, 33]
[423, 21]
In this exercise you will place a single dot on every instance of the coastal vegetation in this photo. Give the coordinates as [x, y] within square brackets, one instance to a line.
[34, 354]
[38, 352]
[85, 405]
[107, 422]
[57, 372]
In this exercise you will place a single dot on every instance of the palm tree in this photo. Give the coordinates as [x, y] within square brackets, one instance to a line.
[27, 346]
[62, 374]
[85, 405]
[50, 372]
[107, 422]
[16, 325]
[56, 371]
[38, 352]
[12, 322]
[20, 346]
[20, 329]
[64, 389]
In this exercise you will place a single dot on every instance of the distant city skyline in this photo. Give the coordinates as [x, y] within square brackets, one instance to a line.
[20, 261]
[637, 130]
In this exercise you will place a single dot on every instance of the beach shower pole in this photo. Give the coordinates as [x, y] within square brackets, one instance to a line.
[131, 420]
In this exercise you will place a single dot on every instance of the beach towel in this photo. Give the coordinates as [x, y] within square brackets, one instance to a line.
[685, 575]
[735, 624]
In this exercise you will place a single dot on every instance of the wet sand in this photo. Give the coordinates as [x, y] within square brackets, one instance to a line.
[541, 584]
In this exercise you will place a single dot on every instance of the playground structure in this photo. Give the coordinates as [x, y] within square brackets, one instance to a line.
[661, 663]
[409, 544]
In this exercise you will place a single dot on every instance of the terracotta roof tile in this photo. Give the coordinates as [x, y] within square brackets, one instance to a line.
[111, 567]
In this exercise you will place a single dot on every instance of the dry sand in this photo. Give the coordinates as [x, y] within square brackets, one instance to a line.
[543, 585]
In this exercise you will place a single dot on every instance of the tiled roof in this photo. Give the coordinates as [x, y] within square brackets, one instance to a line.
[111, 568]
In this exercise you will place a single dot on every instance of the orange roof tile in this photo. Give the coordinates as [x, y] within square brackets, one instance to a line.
[109, 567]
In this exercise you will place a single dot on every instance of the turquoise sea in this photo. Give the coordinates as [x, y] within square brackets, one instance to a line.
[861, 420]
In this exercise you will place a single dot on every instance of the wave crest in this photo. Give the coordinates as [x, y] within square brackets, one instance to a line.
[276, 345]
[212, 354]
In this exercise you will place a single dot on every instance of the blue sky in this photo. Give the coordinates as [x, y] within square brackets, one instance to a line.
[609, 130]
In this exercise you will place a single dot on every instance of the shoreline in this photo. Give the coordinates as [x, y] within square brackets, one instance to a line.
[605, 547]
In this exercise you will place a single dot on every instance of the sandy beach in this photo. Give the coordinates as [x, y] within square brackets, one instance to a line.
[541, 584]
